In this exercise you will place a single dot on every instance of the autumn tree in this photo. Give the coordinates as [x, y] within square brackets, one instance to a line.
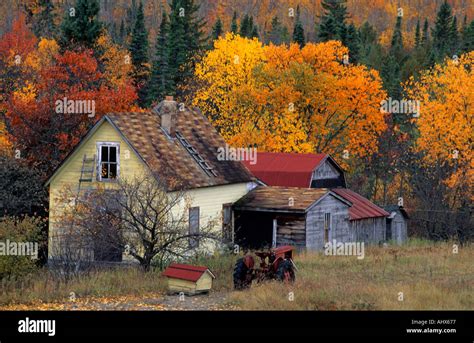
[444, 147]
[290, 99]
[41, 134]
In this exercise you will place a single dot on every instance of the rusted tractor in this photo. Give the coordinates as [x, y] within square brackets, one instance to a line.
[276, 263]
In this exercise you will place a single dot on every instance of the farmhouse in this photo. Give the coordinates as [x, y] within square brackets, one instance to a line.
[175, 143]
[366, 221]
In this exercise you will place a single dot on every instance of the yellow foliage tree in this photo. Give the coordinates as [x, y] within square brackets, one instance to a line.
[225, 74]
[445, 124]
[290, 99]
[117, 61]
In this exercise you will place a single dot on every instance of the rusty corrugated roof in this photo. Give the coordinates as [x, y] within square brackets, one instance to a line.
[361, 207]
[285, 169]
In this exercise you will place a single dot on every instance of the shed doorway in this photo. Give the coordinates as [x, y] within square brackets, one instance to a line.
[254, 229]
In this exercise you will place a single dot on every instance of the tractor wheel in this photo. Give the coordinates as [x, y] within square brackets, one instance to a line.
[241, 275]
[285, 271]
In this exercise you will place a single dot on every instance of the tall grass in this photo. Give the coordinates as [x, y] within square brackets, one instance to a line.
[42, 286]
[429, 275]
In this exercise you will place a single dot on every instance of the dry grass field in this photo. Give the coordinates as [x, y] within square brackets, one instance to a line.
[429, 275]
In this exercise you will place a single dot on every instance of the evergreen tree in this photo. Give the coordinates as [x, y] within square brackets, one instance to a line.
[81, 25]
[186, 41]
[390, 74]
[159, 82]
[43, 22]
[442, 32]
[245, 29]
[425, 38]
[396, 47]
[254, 33]
[417, 34]
[139, 52]
[370, 51]
[333, 20]
[353, 43]
[278, 33]
[122, 33]
[233, 25]
[193, 26]
[217, 29]
[454, 36]
[468, 37]
[298, 31]
[130, 17]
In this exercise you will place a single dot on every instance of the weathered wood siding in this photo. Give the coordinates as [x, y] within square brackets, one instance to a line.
[291, 230]
[399, 229]
[327, 176]
[370, 230]
[340, 229]
[325, 171]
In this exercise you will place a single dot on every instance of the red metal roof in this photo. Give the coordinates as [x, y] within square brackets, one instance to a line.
[185, 271]
[361, 207]
[285, 169]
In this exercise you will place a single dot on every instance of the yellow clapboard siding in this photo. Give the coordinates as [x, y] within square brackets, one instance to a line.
[66, 181]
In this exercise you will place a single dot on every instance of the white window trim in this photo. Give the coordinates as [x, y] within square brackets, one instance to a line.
[99, 160]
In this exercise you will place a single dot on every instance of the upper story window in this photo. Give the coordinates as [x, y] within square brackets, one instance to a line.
[108, 161]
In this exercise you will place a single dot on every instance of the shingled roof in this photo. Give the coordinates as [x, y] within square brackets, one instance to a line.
[277, 199]
[167, 157]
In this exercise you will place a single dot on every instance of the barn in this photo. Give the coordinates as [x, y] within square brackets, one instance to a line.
[309, 218]
[365, 221]
[297, 170]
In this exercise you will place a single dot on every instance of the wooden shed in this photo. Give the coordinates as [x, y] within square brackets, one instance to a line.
[397, 223]
[188, 279]
[306, 218]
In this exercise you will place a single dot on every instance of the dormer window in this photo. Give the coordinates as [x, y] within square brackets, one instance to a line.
[108, 161]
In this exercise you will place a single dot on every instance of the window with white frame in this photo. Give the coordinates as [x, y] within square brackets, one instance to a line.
[108, 161]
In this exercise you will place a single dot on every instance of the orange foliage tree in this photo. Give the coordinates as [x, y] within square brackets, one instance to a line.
[290, 99]
[38, 81]
[445, 124]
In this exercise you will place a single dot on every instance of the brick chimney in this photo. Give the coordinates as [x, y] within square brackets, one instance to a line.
[167, 110]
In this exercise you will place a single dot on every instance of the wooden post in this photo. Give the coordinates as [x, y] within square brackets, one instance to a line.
[274, 233]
